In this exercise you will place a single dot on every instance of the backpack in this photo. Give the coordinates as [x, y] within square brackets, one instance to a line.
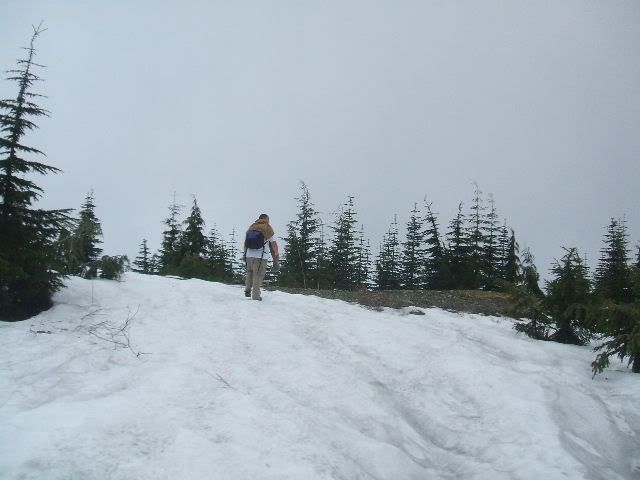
[255, 239]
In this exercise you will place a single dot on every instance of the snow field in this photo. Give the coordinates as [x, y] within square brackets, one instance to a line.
[298, 387]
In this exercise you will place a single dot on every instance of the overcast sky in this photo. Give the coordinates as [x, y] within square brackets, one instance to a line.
[389, 101]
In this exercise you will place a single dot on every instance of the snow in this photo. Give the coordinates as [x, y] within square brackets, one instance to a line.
[216, 386]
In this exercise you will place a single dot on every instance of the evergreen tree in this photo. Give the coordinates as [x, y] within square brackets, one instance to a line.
[434, 272]
[512, 267]
[363, 253]
[612, 276]
[568, 297]
[563, 315]
[29, 263]
[192, 240]
[299, 266]
[620, 324]
[503, 250]
[343, 252]
[143, 260]
[234, 267]
[388, 266]
[170, 247]
[413, 253]
[530, 275]
[491, 251]
[216, 255]
[457, 254]
[474, 232]
[84, 253]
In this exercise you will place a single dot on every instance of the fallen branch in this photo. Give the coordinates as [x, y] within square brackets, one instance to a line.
[117, 335]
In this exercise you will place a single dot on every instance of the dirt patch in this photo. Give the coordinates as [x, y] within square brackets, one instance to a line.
[468, 301]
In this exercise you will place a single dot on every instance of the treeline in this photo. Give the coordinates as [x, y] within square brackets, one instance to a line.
[477, 251]
[187, 252]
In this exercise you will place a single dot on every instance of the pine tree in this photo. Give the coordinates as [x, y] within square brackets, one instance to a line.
[530, 276]
[343, 253]
[192, 240]
[234, 272]
[620, 324]
[503, 250]
[363, 253]
[512, 267]
[216, 255]
[457, 254]
[170, 248]
[474, 232]
[612, 276]
[143, 260]
[568, 297]
[29, 263]
[299, 266]
[83, 251]
[413, 253]
[491, 254]
[564, 314]
[434, 271]
[388, 266]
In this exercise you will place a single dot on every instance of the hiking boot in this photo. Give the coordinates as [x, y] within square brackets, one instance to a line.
[259, 299]
[247, 293]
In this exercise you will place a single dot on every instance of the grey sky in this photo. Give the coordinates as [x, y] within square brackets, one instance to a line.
[236, 102]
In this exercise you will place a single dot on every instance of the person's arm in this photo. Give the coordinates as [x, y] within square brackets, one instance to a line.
[244, 255]
[274, 250]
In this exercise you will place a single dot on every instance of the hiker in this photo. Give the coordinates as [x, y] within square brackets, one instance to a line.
[256, 255]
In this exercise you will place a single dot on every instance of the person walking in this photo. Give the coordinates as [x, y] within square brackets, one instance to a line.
[259, 236]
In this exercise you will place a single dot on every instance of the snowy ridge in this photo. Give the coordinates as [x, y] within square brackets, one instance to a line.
[298, 387]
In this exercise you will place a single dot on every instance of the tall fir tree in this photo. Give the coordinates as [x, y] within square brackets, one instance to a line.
[216, 254]
[299, 266]
[620, 326]
[434, 273]
[170, 248]
[388, 266]
[29, 261]
[343, 251]
[413, 256]
[143, 261]
[503, 250]
[460, 275]
[84, 251]
[530, 275]
[363, 253]
[474, 231]
[512, 266]
[613, 275]
[491, 254]
[193, 240]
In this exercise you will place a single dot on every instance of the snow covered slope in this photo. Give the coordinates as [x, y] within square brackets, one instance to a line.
[297, 387]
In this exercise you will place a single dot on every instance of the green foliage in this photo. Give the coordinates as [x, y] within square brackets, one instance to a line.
[169, 257]
[434, 269]
[301, 251]
[413, 253]
[112, 267]
[192, 240]
[388, 266]
[343, 253]
[143, 261]
[620, 325]
[30, 269]
[568, 298]
[612, 277]
[81, 251]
